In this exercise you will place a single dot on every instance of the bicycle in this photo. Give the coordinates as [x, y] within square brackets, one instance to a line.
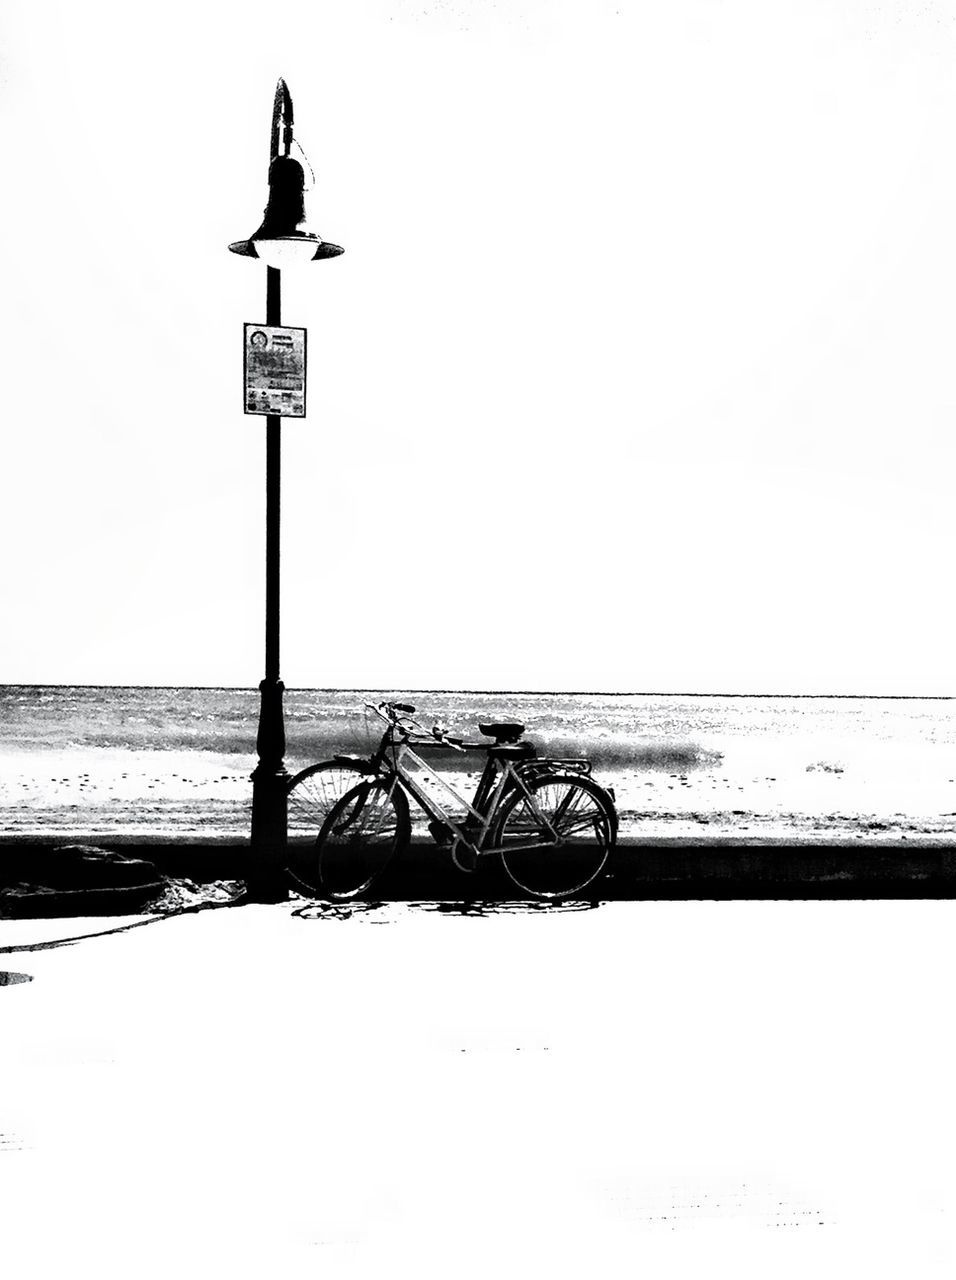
[550, 824]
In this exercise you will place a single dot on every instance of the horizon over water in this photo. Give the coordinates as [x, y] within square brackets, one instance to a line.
[541, 693]
[168, 762]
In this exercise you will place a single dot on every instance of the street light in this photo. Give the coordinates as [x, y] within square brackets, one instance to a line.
[283, 240]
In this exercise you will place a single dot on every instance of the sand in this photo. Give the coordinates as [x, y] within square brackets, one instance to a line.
[102, 794]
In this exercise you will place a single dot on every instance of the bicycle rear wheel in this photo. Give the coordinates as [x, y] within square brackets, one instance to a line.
[312, 794]
[359, 837]
[555, 842]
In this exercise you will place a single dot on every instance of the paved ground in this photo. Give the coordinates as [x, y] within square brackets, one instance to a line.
[660, 1089]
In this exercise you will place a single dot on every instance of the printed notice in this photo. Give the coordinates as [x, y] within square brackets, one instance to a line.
[274, 369]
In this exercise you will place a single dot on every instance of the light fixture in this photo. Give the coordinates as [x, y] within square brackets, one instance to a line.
[285, 238]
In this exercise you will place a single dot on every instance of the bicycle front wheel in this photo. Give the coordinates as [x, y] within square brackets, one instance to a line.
[359, 837]
[312, 794]
[555, 840]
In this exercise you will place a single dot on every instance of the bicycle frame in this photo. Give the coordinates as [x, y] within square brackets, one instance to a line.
[497, 779]
[487, 798]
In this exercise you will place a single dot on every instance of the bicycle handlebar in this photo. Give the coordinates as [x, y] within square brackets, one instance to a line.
[387, 710]
[396, 713]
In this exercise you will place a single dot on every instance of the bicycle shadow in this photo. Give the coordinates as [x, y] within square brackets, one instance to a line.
[310, 910]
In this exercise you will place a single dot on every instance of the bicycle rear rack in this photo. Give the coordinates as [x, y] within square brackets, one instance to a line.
[567, 764]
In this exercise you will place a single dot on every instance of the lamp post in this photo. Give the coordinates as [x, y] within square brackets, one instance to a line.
[284, 240]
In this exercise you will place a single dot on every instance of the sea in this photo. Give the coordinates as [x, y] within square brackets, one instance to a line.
[139, 764]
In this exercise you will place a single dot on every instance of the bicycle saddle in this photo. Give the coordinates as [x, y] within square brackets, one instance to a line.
[502, 732]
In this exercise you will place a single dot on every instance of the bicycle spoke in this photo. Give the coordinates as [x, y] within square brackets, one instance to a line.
[576, 812]
[566, 808]
[311, 799]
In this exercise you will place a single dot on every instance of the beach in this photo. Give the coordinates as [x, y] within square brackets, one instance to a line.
[101, 764]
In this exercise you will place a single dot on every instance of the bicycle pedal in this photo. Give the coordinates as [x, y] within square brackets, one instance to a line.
[441, 834]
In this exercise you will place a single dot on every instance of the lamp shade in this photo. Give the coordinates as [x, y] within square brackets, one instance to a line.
[285, 238]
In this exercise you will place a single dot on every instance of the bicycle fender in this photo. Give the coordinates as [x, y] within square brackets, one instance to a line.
[360, 762]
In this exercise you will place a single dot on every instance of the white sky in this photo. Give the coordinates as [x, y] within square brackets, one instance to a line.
[636, 374]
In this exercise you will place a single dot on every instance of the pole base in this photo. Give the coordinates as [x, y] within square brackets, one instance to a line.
[266, 880]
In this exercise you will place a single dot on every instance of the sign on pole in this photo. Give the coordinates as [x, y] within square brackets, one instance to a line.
[274, 370]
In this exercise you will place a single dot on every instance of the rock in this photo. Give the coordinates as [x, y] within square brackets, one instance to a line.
[77, 880]
[85, 866]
